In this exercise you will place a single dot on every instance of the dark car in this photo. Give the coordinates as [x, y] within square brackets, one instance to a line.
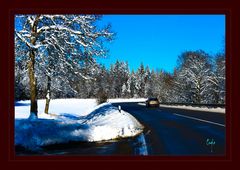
[152, 102]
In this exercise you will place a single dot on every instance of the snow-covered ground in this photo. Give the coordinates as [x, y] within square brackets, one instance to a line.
[218, 110]
[127, 100]
[80, 107]
[72, 120]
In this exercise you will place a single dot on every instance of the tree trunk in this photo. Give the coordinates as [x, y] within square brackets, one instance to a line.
[33, 84]
[31, 70]
[48, 95]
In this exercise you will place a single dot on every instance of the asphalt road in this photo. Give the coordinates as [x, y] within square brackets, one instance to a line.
[177, 132]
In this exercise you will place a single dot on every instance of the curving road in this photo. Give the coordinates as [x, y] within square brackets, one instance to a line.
[176, 132]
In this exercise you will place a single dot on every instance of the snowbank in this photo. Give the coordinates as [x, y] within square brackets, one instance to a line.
[218, 110]
[67, 123]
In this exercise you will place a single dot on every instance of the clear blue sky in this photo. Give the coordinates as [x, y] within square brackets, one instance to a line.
[157, 40]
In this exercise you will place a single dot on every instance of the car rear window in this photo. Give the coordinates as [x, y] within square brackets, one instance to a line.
[153, 99]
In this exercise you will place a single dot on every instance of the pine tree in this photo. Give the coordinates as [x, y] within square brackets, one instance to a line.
[140, 81]
[148, 83]
[119, 75]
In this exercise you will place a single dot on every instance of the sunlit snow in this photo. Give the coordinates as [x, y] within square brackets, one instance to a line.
[72, 120]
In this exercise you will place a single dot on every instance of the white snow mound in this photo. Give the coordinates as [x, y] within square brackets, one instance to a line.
[105, 122]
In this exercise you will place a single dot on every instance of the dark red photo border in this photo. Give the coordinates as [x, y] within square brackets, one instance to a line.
[12, 7]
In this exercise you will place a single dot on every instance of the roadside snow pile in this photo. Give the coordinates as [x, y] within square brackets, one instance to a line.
[105, 122]
[217, 110]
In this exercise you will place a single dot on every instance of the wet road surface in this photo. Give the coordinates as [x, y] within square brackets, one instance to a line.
[177, 132]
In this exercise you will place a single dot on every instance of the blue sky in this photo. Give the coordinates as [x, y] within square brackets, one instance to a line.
[157, 40]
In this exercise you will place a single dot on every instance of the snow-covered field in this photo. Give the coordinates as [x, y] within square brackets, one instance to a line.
[127, 100]
[72, 120]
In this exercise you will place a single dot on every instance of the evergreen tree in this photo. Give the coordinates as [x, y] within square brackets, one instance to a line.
[140, 81]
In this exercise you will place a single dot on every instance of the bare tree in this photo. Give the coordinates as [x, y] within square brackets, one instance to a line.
[69, 36]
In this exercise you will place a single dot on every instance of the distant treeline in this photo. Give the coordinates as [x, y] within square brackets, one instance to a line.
[197, 78]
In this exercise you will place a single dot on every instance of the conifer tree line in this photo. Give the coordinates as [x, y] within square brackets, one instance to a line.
[197, 78]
